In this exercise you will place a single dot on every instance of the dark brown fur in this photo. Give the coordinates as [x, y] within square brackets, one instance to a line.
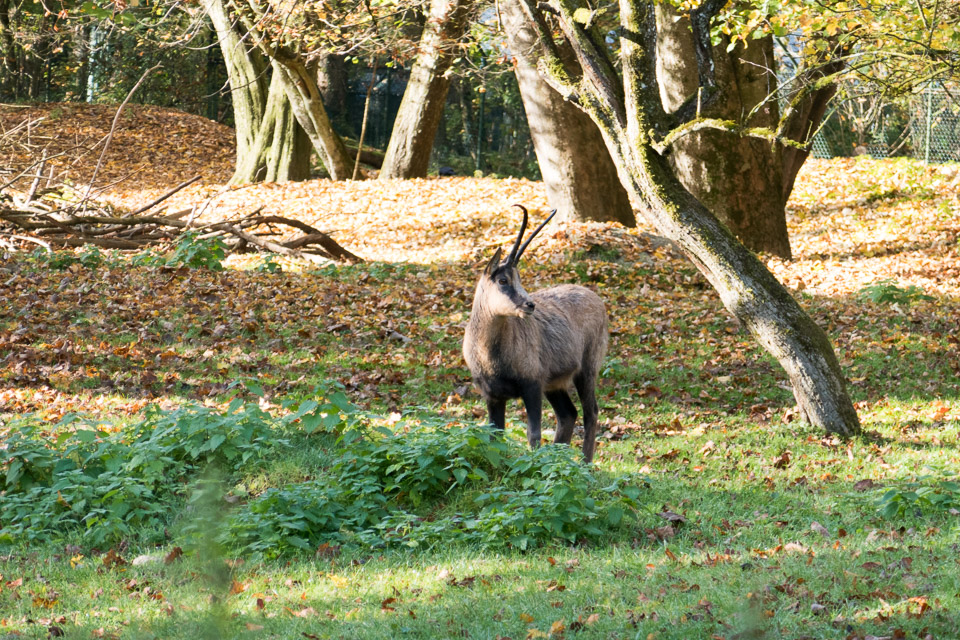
[521, 345]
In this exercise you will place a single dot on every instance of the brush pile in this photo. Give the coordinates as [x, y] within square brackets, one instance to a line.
[39, 208]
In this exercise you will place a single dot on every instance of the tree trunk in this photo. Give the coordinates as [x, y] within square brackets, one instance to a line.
[807, 115]
[332, 80]
[280, 151]
[300, 84]
[9, 68]
[629, 113]
[271, 145]
[81, 58]
[581, 179]
[408, 153]
[466, 142]
[739, 179]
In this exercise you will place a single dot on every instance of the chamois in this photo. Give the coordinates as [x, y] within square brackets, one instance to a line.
[520, 345]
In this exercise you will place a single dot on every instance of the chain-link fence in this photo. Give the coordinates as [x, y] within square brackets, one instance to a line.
[926, 126]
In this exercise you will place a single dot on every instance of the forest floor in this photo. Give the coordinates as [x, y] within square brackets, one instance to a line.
[747, 523]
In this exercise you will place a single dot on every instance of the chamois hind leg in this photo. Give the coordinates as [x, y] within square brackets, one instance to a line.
[566, 414]
[586, 389]
[496, 409]
[532, 396]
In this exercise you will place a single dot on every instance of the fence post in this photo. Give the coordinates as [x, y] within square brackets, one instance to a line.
[926, 151]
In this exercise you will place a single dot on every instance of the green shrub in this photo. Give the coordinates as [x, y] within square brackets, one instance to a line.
[197, 252]
[90, 257]
[108, 483]
[936, 491]
[382, 486]
[386, 487]
[886, 291]
[422, 462]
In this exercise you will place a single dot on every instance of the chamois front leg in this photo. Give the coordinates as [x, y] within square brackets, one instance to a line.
[497, 409]
[532, 396]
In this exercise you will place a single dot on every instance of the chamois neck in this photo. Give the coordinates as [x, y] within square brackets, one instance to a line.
[487, 325]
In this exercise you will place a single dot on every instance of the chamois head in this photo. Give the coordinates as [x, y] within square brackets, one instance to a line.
[499, 290]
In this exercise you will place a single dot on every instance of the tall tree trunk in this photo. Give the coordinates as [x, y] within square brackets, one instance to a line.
[466, 143]
[214, 80]
[332, 80]
[35, 59]
[9, 68]
[81, 58]
[629, 115]
[271, 145]
[280, 151]
[581, 179]
[739, 179]
[408, 153]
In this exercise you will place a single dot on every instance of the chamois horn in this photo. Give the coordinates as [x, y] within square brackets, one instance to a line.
[523, 227]
[535, 232]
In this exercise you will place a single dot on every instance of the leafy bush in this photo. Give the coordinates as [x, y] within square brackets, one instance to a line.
[936, 491]
[886, 291]
[520, 498]
[383, 486]
[90, 257]
[269, 265]
[197, 252]
[422, 462]
[108, 483]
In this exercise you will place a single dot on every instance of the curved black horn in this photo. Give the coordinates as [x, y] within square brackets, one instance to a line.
[513, 257]
[534, 235]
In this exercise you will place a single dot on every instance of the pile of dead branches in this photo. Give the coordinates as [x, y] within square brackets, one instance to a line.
[56, 216]
[48, 219]
[53, 214]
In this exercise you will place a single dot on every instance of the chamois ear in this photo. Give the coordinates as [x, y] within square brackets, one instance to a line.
[494, 262]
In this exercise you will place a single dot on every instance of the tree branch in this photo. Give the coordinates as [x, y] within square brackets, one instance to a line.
[592, 56]
[707, 92]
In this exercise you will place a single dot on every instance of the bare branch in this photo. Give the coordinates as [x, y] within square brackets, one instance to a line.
[113, 128]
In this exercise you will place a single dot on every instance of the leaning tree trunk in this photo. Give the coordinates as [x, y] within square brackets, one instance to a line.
[271, 145]
[629, 115]
[408, 153]
[581, 179]
[739, 179]
[299, 81]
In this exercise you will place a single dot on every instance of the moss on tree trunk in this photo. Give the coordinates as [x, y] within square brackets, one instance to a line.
[628, 121]
[737, 178]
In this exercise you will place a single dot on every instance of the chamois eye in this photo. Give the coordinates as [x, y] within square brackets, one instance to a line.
[503, 281]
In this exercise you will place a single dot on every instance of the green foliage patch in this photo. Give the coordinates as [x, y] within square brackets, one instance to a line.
[931, 492]
[109, 482]
[886, 291]
[383, 486]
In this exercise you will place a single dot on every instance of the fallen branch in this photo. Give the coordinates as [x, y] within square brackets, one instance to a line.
[36, 222]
